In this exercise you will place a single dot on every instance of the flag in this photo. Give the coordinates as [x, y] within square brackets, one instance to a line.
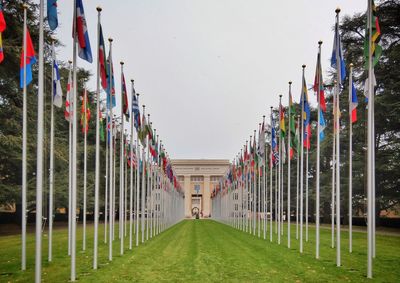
[85, 116]
[135, 109]
[366, 94]
[322, 125]
[337, 53]
[57, 91]
[82, 34]
[376, 49]
[68, 98]
[110, 82]
[30, 60]
[292, 127]
[306, 114]
[142, 134]
[2, 28]
[52, 17]
[102, 135]
[353, 103]
[319, 83]
[102, 61]
[261, 144]
[274, 144]
[282, 121]
[124, 97]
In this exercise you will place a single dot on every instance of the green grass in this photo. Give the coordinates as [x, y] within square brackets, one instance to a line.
[206, 251]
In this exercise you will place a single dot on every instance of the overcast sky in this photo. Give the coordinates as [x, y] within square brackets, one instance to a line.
[208, 70]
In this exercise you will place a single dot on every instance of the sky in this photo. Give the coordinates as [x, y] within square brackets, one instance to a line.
[209, 70]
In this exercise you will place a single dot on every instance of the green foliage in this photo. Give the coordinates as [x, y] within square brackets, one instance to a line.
[11, 119]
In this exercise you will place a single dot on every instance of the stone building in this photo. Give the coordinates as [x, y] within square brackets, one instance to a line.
[199, 177]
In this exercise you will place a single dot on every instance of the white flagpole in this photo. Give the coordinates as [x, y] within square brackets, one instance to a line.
[318, 155]
[51, 169]
[259, 198]
[70, 161]
[121, 168]
[111, 141]
[338, 64]
[301, 164]
[39, 161]
[148, 181]
[350, 163]
[97, 166]
[297, 184]
[265, 182]
[371, 166]
[270, 184]
[306, 210]
[333, 171]
[24, 150]
[143, 187]
[106, 211]
[250, 195]
[280, 171]
[84, 168]
[131, 175]
[74, 153]
[288, 169]
[137, 183]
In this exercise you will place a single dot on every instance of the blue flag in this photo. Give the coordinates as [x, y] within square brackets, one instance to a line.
[52, 17]
[322, 125]
[337, 54]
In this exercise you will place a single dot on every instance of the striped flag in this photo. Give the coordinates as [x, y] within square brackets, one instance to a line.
[353, 103]
[337, 61]
[69, 98]
[2, 29]
[57, 91]
[84, 50]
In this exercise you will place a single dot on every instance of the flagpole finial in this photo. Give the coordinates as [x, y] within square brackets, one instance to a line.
[320, 42]
[337, 11]
[351, 65]
[280, 96]
[290, 82]
[110, 39]
[98, 8]
[144, 106]
[25, 6]
[70, 62]
[122, 62]
[303, 66]
[263, 116]
[137, 94]
[132, 80]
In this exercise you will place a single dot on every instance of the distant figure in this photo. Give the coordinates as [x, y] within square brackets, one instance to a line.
[201, 214]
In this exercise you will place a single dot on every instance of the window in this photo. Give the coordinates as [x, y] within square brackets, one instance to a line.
[196, 178]
[215, 178]
[181, 179]
[197, 189]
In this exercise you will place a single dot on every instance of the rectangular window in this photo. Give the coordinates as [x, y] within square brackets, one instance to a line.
[197, 178]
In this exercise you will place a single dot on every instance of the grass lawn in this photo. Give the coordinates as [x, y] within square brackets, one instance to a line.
[207, 251]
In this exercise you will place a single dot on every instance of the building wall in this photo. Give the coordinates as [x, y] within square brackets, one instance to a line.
[203, 174]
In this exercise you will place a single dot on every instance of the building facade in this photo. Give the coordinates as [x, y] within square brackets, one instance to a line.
[199, 177]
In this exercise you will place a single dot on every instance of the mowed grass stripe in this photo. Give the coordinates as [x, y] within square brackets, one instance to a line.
[207, 251]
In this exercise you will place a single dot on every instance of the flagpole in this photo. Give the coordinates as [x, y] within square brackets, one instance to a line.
[51, 169]
[111, 141]
[317, 190]
[70, 163]
[259, 197]
[254, 187]
[265, 181]
[131, 175]
[301, 164]
[338, 69]
[84, 166]
[137, 180]
[288, 184]
[306, 210]
[74, 153]
[39, 160]
[148, 180]
[350, 162]
[121, 167]
[270, 185]
[24, 149]
[370, 151]
[249, 192]
[280, 171]
[333, 170]
[143, 185]
[106, 210]
[297, 183]
[97, 166]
